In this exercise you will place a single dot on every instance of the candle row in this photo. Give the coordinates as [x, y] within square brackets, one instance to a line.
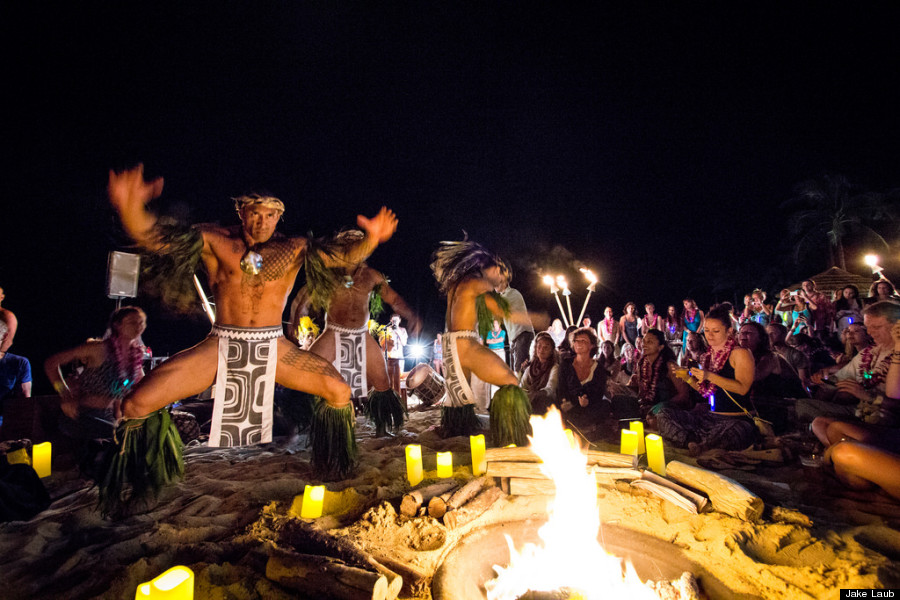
[635, 443]
[415, 473]
[39, 460]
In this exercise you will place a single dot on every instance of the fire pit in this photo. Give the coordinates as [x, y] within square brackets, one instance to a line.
[469, 564]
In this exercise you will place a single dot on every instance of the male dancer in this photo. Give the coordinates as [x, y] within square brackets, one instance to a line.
[251, 271]
[468, 274]
[347, 344]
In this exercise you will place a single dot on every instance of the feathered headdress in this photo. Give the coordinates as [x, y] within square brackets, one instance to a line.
[453, 261]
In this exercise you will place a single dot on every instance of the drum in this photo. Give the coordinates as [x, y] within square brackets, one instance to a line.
[426, 384]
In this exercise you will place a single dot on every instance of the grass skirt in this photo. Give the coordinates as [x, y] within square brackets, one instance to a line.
[510, 413]
[333, 441]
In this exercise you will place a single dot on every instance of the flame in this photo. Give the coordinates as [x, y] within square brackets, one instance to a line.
[548, 279]
[570, 556]
[589, 275]
[561, 282]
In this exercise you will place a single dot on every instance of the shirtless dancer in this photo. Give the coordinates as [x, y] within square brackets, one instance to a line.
[347, 344]
[251, 271]
[468, 274]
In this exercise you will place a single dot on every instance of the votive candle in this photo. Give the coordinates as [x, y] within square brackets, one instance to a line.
[313, 499]
[476, 443]
[40, 459]
[656, 456]
[638, 426]
[444, 464]
[629, 442]
[414, 472]
[175, 584]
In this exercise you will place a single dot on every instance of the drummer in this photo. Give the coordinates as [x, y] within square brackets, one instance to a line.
[347, 344]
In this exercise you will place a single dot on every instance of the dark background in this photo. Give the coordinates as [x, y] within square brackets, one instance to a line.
[651, 142]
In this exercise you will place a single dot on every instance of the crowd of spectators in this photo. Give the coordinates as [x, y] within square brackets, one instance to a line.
[723, 378]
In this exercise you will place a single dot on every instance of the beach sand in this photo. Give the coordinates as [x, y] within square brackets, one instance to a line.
[232, 508]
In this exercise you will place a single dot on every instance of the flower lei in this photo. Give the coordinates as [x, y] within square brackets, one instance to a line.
[608, 323]
[647, 324]
[649, 378]
[871, 374]
[689, 314]
[128, 363]
[713, 361]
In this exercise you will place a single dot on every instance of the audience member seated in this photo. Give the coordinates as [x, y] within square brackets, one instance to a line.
[724, 378]
[541, 375]
[566, 351]
[820, 308]
[868, 455]
[815, 351]
[863, 378]
[797, 360]
[848, 308]
[100, 373]
[694, 349]
[856, 338]
[607, 359]
[775, 383]
[582, 383]
[557, 332]
[655, 380]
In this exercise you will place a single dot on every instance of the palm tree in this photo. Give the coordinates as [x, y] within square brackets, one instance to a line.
[831, 208]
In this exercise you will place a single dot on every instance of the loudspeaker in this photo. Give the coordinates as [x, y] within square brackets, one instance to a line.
[122, 271]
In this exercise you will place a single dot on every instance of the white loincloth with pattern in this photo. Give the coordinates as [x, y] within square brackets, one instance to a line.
[459, 392]
[245, 385]
[350, 356]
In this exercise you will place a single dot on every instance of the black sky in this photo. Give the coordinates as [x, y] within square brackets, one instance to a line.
[649, 140]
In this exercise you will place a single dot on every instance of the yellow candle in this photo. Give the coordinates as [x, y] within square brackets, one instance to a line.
[571, 437]
[445, 464]
[175, 584]
[19, 456]
[40, 459]
[629, 442]
[638, 426]
[656, 456]
[313, 498]
[414, 464]
[476, 442]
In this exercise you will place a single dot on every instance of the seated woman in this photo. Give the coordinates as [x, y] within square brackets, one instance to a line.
[566, 351]
[108, 370]
[541, 375]
[723, 377]
[607, 359]
[655, 379]
[694, 349]
[582, 383]
[865, 455]
[774, 381]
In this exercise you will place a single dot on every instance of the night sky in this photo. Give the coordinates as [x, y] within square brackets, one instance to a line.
[652, 143]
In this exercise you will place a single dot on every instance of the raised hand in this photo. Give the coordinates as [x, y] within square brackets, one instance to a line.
[129, 191]
[380, 227]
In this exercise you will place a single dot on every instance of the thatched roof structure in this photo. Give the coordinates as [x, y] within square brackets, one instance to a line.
[836, 278]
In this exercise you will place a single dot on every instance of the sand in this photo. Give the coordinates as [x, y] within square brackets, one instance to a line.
[233, 504]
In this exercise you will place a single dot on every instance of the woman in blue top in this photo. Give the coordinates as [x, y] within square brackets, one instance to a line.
[496, 340]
